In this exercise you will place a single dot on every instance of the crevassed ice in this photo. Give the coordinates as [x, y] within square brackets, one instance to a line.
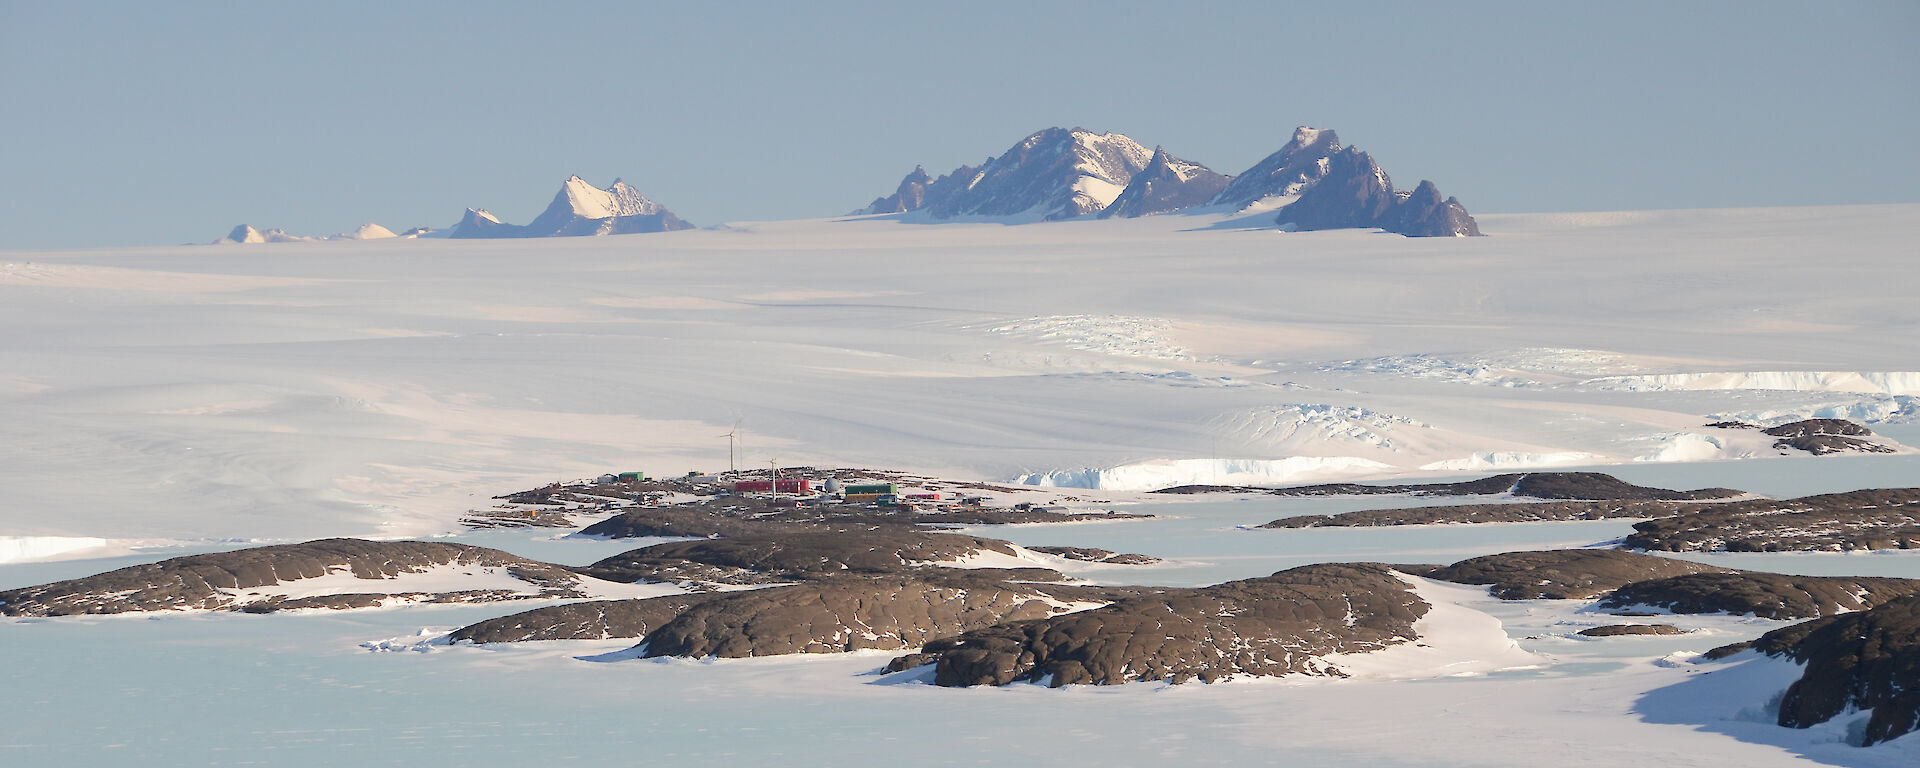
[1864, 382]
[1166, 473]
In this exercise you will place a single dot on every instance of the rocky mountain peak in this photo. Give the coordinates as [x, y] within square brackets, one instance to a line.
[1298, 164]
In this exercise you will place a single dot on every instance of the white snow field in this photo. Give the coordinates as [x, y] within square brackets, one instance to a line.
[290, 390]
[167, 400]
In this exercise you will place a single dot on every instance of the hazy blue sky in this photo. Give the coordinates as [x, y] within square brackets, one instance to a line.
[156, 123]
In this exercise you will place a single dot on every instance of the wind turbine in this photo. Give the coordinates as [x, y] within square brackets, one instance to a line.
[732, 437]
[773, 476]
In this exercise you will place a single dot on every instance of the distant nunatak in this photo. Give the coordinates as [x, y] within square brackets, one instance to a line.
[1053, 175]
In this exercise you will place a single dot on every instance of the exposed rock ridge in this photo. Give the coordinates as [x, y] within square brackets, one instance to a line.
[209, 581]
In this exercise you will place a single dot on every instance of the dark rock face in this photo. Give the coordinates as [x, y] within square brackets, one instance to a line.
[1821, 445]
[1276, 625]
[742, 515]
[794, 556]
[1298, 165]
[1855, 661]
[1564, 574]
[846, 614]
[776, 617]
[197, 581]
[910, 196]
[1620, 630]
[1424, 214]
[1766, 595]
[578, 210]
[1810, 427]
[1868, 519]
[1824, 436]
[670, 521]
[1167, 183]
[591, 620]
[746, 516]
[1538, 485]
[479, 224]
[1356, 193]
[1594, 485]
[1484, 513]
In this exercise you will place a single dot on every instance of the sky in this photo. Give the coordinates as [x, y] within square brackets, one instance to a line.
[126, 124]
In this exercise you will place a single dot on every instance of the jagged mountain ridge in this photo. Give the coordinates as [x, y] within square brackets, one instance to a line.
[1053, 174]
[1057, 173]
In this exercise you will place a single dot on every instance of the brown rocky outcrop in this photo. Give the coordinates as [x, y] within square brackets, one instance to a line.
[1276, 625]
[214, 581]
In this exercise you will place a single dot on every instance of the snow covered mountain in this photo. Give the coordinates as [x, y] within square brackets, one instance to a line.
[368, 231]
[1055, 174]
[1167, 184]
[1060, 174]
[247, 234]
[579, 209]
